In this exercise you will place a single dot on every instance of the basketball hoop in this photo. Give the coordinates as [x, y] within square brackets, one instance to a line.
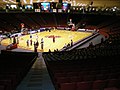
[22, 25]
[70, 20]
[54, 28]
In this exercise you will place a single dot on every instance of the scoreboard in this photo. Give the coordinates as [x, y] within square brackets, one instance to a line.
[51, 7]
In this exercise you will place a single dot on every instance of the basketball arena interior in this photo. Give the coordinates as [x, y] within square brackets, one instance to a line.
[59, 45]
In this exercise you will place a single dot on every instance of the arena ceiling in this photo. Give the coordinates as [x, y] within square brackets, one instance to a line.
[102, 3]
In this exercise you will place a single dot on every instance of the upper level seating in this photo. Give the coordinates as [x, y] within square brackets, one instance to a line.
[12, 21]
[13, 68]
[9, 22]
[23, 18]
[61, 19]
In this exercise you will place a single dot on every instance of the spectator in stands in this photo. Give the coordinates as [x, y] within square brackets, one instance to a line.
[65, 46]
[57, 50]
[49, 50]
[91, 44]
[54, 50]
[102, 40]
[68, 45]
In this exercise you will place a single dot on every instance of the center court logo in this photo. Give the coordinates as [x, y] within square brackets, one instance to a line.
[51, 36]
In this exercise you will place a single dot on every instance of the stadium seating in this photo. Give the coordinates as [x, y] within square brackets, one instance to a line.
[14, 67]
[91, 68]
[98, 65]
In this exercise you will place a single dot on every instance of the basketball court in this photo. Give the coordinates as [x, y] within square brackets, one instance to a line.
[62, 37]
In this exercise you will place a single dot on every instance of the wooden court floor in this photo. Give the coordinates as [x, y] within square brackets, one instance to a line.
[62, 37]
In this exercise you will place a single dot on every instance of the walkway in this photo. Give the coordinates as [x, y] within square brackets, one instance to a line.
[37, 78]
[95, 41]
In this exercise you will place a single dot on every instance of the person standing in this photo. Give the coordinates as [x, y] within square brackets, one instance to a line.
[17, 40]
[65, 46]
[0, 40]
[71, 42]
[42, 40]
[102, 40]
[31, 36]
[37, 43]
[14, 40]
[31, 42]
[49, 30]
[35, 47]
[36, 37]
[10, 39]
[27, 43]
[9, 36]
[53, 39]
[41, 45]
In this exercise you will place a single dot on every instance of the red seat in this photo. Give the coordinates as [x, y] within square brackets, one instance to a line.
[11, 77]
[112, 83]
[112, 76]
[62, 80]
[2, 87]
[67, 86]
[84, 85]
[101, 77]
[59, 75]
[7, 84]
[75, 79]
[72, 74]
[88, 78]
[99, 85]
[111, 88]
